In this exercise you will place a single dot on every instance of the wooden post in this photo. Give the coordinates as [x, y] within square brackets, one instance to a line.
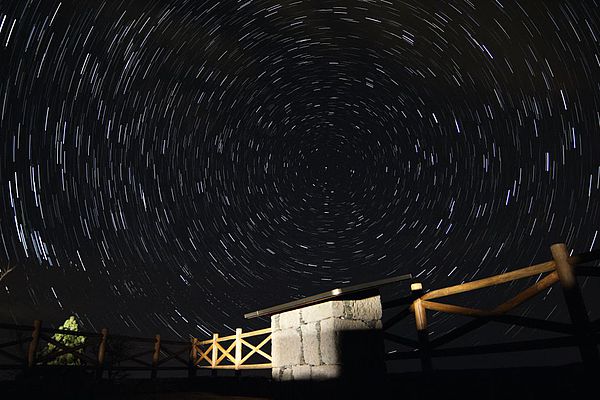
[33, 345]
[101, 353]
[576, 306]
[421, 325]
[238, 350]
[215, 354]
[155, 356]
[192, 359]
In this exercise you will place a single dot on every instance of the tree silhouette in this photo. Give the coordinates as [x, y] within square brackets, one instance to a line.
[67, 340]
[3, 273]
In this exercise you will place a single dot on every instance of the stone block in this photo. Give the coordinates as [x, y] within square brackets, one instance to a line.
[311, 333]
[325, 372]
[301, 372]
[275, 323]
[275, 372]
[319, 312]
[281, 374]
[286, 347]
[328, 340]
[289, 319]
[368, 309]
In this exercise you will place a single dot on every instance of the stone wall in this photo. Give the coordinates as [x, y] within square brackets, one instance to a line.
[328, 340]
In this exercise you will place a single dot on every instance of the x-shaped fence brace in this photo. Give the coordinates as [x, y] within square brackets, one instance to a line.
[215, 353]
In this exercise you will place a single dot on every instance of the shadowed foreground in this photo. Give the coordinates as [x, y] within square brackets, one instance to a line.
[522, 383]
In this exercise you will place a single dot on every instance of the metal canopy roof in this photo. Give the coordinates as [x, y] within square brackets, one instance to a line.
[325, 296]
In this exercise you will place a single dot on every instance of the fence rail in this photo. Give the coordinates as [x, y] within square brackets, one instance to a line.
[112, 354]
[562, 269]
[215, 354]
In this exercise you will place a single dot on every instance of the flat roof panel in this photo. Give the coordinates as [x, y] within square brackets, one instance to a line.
[326, 296]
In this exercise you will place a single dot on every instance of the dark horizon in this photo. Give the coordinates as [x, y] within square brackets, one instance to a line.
[168, 166]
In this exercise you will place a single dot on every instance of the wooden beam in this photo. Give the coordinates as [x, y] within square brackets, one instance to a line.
[454, 309]
[204, 355]
[15, 327]
[576, 306]
[256, 332]
[533, 323]
[192, 355]
[215, 353]
[65, 350]
[13, 343]
[491, 281]
[420, 315]
[11, 356]
[527, 345]
[458, 332]
[245, 366]
[329, 295]
[172, 355]
[528, 293]
[396, 318]
[238, 348]
[525, 295]
[257, 366]
[421, 325]
[506, 319]
[226, 353]
[155, 356]
[101, 353]
[147, 364]
[520, 273]
[139, 354]
[401, 340]
[33, 345]
[256, 349]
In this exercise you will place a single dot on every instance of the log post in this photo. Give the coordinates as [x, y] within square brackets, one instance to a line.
[101, 353]
[421, 325]
[33, 345]
[215, 354]
[576, 306]
[238, 350]
[155, 356]
[193, 355]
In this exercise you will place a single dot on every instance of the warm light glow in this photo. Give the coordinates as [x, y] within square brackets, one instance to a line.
[416, 286]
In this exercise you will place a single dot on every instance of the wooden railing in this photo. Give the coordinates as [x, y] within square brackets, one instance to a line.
[233, 352]
[116, 354]
[561, 269]
[249, 350]
[100, 351]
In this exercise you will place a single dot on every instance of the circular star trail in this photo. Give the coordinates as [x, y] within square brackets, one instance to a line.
[171, 165]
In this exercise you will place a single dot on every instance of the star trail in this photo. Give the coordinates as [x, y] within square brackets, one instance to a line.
[170, 165]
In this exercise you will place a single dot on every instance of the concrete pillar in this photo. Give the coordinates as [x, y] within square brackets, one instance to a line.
[332, 340]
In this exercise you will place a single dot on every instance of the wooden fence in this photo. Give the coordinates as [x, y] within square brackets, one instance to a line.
[100, 351]
[581, 332]
[117, 354]
[215, 354]
[249, 350]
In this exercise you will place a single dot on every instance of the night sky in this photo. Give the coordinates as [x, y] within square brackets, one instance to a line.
[167, 166]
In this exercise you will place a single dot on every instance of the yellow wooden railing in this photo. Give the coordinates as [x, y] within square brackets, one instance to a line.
[231, 352]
